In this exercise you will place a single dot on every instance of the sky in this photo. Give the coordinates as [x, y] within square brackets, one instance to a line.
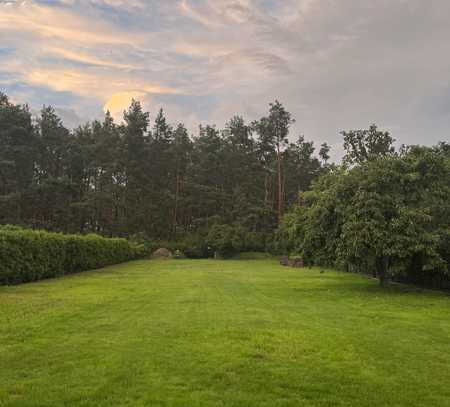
[334, 64]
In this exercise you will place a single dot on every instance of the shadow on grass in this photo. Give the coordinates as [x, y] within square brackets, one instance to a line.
[341, 282]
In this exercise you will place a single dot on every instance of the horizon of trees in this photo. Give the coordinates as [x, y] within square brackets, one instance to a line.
[150, 178]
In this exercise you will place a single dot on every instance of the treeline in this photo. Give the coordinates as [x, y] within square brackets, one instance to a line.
[150, 180]
[382, 212]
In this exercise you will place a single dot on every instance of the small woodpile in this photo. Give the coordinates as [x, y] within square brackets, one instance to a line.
[295, 262]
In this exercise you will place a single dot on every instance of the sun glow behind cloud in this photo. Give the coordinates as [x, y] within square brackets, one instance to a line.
[120, 102]
[334, 64]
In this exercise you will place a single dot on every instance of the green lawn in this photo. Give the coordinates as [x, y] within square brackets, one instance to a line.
[242, 333]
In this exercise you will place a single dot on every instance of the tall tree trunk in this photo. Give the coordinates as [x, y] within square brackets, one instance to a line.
[268, 198]
[175, 212]
[280, 187]
[382, 265]
[266, 190]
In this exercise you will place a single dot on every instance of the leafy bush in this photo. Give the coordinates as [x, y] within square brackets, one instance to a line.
[254, 242]
[10, 228]
[148, 245]
[194, 246]
[28, 255]
[225, 240]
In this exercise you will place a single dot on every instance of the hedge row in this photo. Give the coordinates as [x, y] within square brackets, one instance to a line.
[28, 255]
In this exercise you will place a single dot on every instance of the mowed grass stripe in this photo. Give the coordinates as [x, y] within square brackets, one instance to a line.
[222, 333]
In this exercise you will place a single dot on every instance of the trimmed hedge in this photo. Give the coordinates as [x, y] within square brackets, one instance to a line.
[29, 255]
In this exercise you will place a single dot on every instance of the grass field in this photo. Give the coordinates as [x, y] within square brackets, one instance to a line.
[222, 333]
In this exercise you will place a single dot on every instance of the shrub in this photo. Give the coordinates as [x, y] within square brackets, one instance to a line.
[147, 244]
[254, 242]
[225, 240]
[194, 246]
[28, 255]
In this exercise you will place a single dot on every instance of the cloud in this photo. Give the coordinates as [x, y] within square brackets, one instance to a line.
[70, 118]
[57, 23]
[334, 64]
[84, 57]
[93, 82]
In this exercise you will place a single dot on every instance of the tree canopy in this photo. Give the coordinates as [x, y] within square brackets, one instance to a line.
[390, 215]
[149, 177]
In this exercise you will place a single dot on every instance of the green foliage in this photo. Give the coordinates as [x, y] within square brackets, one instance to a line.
[228, 240]
[254, 241]
[28, 255]
[147, 244]
[273, 132]
[148, 178]
[388, 216]
[193, 246]
[365, 145]
[324, 152]
[225, 240]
